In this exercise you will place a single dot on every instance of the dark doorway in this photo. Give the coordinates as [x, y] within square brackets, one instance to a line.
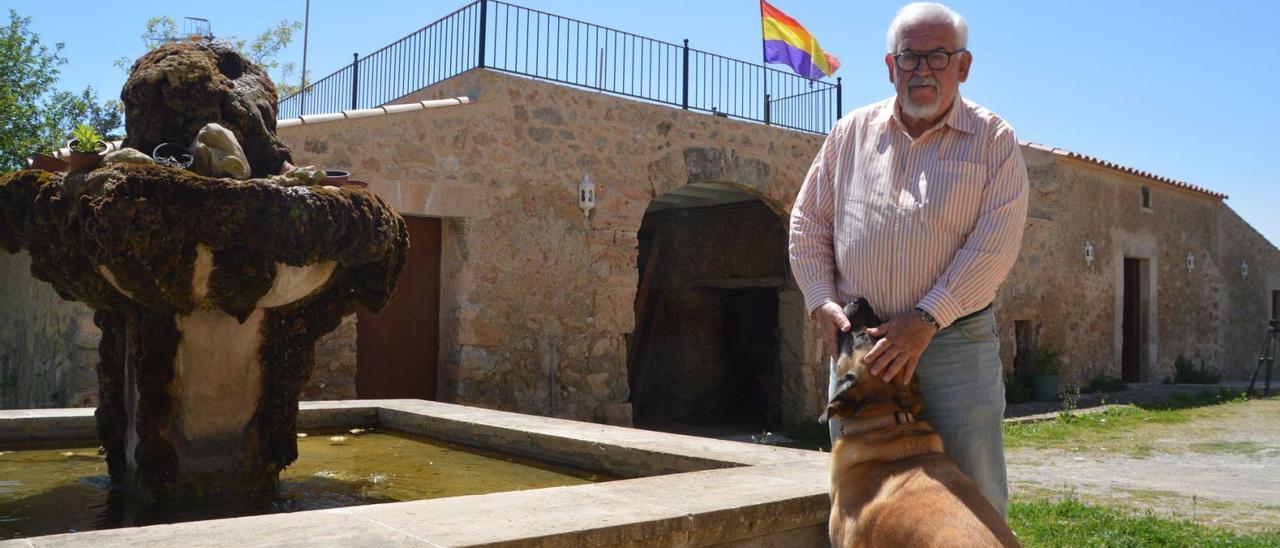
[1131, 330]
[704, 357]
[1275, 305]
[1022, 337]
[397, 348]
[751, 356]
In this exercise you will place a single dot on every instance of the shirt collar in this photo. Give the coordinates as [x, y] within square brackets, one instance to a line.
[960, 117]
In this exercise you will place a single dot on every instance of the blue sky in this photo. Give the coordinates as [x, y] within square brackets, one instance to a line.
[1185, 89]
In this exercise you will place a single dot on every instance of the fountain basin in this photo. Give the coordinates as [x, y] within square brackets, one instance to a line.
[57, 487]
[685, 490]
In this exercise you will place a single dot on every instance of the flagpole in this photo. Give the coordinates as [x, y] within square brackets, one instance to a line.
[764, 64]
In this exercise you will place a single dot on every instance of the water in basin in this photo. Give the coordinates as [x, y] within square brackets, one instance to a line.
[49, 489]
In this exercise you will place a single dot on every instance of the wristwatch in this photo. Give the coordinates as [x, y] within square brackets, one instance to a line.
[928, 318]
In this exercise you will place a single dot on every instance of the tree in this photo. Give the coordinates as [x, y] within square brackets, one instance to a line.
[262, 50]
[32, 118]
[65, 109]
[27, 70]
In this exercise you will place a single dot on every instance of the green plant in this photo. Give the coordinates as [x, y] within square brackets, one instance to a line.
[1070, 403]
[85, 139]
[1104, 383]
[1186, 372]
[1044, 360]
[1016, 390]
[1183, 400]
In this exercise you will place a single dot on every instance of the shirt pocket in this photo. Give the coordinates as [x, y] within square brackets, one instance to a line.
[952, 195]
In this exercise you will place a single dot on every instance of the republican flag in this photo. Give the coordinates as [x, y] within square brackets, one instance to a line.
[788, 43]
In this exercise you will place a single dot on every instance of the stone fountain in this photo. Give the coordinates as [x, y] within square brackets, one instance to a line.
[210, 291]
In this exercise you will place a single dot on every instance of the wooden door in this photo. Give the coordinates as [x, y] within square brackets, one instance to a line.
[396, 349]
[1131, 352]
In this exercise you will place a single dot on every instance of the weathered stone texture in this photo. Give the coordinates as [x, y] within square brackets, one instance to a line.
[176, 89]
[536, 299]
[1208, 311]
[333, 377]
[48, 346]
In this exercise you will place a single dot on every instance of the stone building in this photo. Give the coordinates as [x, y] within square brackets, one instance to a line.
[671, 301]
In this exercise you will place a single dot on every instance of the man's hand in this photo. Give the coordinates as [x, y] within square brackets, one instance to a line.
[902, 341]
[831, 318]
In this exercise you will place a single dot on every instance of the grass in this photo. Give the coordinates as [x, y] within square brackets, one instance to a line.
[1229, 447]
[1115, 430]
[1069, 522]
[1073, 431]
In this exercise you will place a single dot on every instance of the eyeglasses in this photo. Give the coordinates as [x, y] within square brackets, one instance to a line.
[937, 60]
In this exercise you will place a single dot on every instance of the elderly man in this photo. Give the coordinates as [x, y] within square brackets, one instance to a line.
[917, 203]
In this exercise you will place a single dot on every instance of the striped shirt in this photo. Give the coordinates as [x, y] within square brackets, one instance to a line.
[933, 222]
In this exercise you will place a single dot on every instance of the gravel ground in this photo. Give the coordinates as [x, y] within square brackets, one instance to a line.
[1222, 469]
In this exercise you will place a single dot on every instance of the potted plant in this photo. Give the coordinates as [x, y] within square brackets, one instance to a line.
[86, 148]
[1045, 365]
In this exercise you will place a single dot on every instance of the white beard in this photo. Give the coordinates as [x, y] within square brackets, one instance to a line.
[921, 111]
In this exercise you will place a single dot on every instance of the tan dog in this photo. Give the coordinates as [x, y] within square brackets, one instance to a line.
[891, 485]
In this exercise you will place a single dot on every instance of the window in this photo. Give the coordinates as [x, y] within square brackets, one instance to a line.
[1146, 197]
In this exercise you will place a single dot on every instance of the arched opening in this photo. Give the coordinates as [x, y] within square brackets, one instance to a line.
[707, 350]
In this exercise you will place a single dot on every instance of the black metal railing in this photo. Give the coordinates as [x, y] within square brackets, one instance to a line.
[509, 38]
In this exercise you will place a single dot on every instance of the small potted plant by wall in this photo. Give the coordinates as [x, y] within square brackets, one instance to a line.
[1046, 363]
[86, 148]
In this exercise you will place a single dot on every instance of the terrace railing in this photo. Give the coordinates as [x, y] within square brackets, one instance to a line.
[505, 37]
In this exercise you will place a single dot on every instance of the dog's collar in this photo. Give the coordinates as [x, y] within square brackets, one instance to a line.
[851, 428]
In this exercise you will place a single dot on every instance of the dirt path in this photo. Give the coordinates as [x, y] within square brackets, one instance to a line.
[1221, 469]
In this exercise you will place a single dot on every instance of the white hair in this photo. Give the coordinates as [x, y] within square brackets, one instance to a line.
[926, 12]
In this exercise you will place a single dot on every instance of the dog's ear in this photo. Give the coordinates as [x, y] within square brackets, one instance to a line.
[860, 314]
[842, 403]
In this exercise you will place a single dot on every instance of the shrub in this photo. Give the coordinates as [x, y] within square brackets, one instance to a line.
[1186, 372]
[1105, 383]
[1016, 390]
[1044, 361]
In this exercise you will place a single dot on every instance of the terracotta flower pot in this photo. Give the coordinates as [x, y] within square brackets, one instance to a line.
[46, 162]
[333, 177]
[85, 161]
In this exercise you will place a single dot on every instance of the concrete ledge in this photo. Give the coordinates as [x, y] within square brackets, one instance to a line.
[319, 118]
[713, 492]
[78, 423]
[611, 449]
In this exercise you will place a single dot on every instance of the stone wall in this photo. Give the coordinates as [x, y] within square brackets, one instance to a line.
[48, 346]
[537, 300]
[1207, 311]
